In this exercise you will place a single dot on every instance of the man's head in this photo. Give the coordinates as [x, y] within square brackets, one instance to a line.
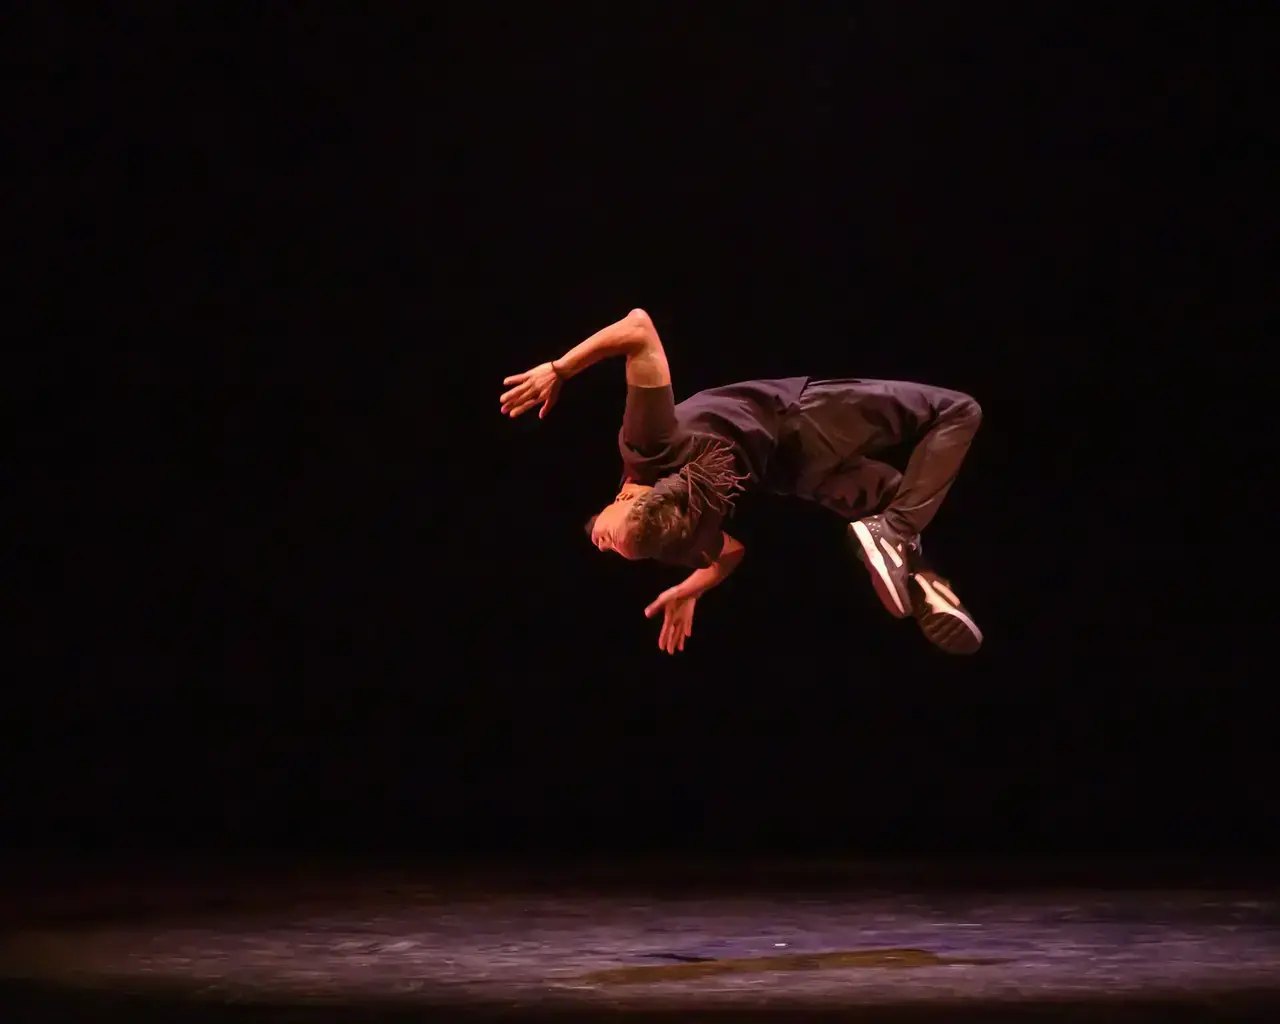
[642, 522]
[676, 521]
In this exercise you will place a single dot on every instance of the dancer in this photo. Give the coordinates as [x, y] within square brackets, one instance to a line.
[683, 466]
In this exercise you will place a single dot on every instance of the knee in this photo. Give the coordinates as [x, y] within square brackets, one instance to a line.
[967, 410]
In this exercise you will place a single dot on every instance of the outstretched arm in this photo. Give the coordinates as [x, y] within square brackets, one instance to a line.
[678, 603]
[634, 336]
[701, 580]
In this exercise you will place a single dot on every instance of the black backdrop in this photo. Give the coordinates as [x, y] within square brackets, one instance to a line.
[285, 575]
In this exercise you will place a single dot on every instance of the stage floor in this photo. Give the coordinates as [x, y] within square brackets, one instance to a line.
[794, 942]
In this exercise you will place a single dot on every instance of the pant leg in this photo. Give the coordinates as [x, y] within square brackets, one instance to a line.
[936, 458]
[859, 487]
[840, 423]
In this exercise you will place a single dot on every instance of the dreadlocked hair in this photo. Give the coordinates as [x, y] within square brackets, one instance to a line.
[666, 518]
[661, 523]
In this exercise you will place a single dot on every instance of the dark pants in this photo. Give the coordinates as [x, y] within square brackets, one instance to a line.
[830, 445]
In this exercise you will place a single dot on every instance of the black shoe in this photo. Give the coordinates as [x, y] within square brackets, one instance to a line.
[945, 622]
[886, 554]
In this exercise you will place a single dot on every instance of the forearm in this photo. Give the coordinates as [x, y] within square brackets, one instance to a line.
[702, 580]
[631, 336]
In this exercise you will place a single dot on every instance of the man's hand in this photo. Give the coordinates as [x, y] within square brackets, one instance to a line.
[541, 384]
[677, 622]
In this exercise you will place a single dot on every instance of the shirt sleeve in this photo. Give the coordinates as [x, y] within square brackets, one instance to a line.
[710, 541]
[649, 424]
[705, 546]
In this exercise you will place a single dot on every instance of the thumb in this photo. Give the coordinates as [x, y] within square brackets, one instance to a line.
[659, 603]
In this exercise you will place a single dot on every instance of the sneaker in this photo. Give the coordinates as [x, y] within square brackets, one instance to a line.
[886, 555]
[943, 619]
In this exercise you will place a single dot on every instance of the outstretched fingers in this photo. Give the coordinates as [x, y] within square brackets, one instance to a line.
[510, 397]
[522, 398]
[686, 627]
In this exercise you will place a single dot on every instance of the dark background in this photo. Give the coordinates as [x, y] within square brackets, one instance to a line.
[285, 578]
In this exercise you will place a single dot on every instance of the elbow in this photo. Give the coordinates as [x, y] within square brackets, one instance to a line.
[641, 325]
[646, 361]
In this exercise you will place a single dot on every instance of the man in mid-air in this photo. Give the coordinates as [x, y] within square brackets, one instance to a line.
[814, 439]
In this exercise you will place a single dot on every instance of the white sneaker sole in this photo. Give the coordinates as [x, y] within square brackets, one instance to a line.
[946, 625]
[889, 594]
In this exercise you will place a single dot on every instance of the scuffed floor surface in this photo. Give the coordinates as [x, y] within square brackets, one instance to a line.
[858, 946]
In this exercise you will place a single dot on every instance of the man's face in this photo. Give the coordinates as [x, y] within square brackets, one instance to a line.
[611, 530]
